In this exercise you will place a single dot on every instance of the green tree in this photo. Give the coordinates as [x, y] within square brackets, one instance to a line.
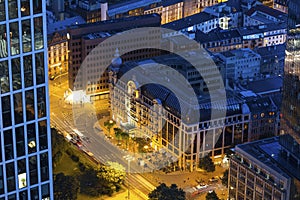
[225, 178]
[207, 164]
[118, 134]
[113, 173]
[212, 196]
[92, 185]
[59, 145]
[125, 136]
[65, 187]
[109, 124]
[163, 192]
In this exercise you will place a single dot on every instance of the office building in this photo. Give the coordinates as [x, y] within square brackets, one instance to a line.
[85, 37]
[240, 65]
[153, 111]
[291, 95]
[58, 48]
[260, 14]
[266, 169]
[25, 153]
[281, 5]
[272, 60]
[244, 37]
[170, 10]
[213, 17]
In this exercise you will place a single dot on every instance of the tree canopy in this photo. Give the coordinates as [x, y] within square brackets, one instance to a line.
[65, 187]
[112, 172]
[163, 192]
[212, 196]
[207, 164]
[225, 178]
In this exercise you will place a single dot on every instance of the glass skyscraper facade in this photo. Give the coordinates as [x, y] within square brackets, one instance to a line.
[25, 153]
[291, 87]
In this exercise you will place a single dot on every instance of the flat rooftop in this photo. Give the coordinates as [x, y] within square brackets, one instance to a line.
[268, 152]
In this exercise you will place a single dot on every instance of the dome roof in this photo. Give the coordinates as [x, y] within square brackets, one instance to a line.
[117, 60]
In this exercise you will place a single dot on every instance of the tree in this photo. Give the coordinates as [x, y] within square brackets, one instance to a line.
[59, 145]
[65, 187]
[212, 196]
[113, 173]
[207, 164]
[118, 134]
[125, 136]
[163, 192]
[225, 178]
[92, 185]
[109, 124]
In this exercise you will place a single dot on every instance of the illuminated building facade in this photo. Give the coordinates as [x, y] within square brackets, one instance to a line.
[265, 169]
[152, 111]
[291, 86]
[25, 153]
[83, 41]
[58, 53]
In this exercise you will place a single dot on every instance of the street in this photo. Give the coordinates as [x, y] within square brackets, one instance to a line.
[66, 118]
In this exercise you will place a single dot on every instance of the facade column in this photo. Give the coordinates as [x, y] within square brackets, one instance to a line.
[184, 144]
[198, 147]
[180, 147]
[243, 124]
[173, 138]
[204, 144]
[232, 141]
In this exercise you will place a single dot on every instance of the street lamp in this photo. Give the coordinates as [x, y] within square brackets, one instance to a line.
[111, 122]
[129, 158]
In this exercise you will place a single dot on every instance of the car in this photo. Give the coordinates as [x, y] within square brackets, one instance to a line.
[52, 77]
[213, 180]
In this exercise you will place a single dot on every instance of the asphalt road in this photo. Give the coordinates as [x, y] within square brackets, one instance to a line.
[83, 117]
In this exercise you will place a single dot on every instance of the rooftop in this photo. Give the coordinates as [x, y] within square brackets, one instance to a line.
[166, 3]
[256, 151]
[240, 53]
[63, 25]
[276, 50]
[266, 85]
[132, 18]
[217, 35]
[129, 5]
[268, 152]
[261, 28]
[261, 104]
[189, 21]
[267, 10]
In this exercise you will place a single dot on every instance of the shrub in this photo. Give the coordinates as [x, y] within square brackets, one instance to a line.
[81, 166]
[75, 158]
[69, 152]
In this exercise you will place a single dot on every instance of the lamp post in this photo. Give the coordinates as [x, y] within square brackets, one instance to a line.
[111, 126]
[129, 158]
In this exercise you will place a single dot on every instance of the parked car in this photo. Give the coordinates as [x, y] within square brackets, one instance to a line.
[213, 180]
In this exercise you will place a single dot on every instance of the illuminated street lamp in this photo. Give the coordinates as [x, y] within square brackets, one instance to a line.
[146, 147]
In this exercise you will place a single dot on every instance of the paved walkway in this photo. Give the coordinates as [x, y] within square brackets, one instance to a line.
[124, 196]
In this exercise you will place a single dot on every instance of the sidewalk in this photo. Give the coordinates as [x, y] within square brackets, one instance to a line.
[124, 196]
